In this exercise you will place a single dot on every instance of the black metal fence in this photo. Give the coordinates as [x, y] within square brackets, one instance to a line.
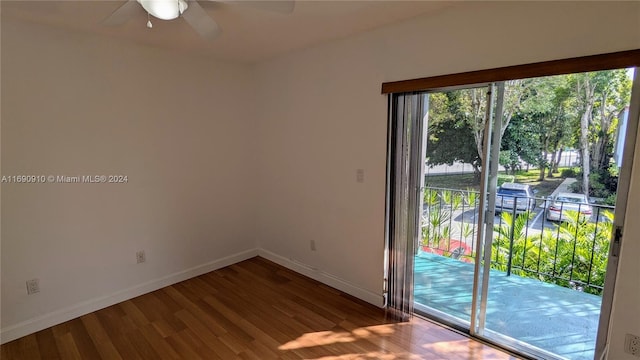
[555, 241]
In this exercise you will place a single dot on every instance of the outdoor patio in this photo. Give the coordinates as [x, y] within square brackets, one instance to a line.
[558, 319]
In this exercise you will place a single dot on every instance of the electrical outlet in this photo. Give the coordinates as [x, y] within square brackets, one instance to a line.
[360, 175]
[632, 345]
[33, 286]
[313, 245]
[140, 257]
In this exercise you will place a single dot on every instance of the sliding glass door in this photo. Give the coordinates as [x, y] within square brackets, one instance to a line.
[445, 253]
[551, 228]
[520, 205]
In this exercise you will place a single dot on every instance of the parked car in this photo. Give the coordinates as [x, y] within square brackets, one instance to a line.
[564, 202]
[518, 196]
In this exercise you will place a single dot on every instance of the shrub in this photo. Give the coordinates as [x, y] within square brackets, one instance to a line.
[610, 200]
[576, 249]
[569, 172]
[596, 187]
[576, 187]
[599, 186]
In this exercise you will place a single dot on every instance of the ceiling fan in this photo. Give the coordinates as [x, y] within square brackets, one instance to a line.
[189, 10]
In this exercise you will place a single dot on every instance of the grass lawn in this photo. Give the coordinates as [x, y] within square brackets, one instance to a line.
[545, 187]
[455, 181]
[469, 181]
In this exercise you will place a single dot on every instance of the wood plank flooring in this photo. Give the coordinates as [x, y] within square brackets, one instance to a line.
[251, 310]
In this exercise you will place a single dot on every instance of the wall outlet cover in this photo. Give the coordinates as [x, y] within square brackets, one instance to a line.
[140, 257]
[33, 286]
[632, 345]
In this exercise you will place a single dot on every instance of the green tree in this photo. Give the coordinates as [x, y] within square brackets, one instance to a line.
[612, 96]
[518, 144]
[547, 117]
[457, 120]
[540, 118]
[600, 96]
[474, 103]
[450, 138]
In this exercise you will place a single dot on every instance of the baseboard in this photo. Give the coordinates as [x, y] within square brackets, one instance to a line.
[325, 278]
[59, 316]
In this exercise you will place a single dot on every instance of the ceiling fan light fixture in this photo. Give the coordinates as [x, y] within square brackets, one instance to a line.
[164, 9]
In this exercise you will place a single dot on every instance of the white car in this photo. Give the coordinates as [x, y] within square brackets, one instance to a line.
[564, 202]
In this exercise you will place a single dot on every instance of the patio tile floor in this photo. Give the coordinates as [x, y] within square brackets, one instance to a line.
[554, 318]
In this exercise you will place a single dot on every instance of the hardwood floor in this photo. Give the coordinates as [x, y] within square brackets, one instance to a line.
[251, 310]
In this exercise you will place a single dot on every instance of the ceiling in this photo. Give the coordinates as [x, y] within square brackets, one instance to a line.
[249, 34]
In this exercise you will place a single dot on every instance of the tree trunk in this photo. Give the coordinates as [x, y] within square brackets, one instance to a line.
[584, 148]
[476, 172]
[601, 162]
[557, 162]
[543, 167]
[585, 120]
[478, 121]
[543, 163]
[514, 91]
[544, 139]
[596, 153]
[552, 164]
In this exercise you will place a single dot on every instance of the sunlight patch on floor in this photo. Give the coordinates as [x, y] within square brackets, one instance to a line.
[321, 338]
[374, 355]
[458, 348]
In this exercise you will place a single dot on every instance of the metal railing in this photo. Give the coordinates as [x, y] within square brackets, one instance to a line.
[571, 252]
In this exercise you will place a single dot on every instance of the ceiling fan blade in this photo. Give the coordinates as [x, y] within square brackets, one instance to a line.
[122, 14]
[200, 21]
[280, 6]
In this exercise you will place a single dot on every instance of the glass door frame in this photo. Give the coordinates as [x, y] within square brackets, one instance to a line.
[624, 182]
[491, 148]
[423, 109]
[488, 185]
[623, 59]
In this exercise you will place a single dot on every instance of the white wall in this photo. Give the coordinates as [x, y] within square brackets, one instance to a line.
[75, 104]
[323, 117]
